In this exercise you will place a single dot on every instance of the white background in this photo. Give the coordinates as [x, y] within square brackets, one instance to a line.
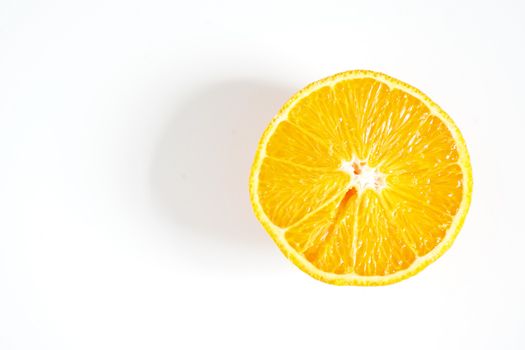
[127, 132]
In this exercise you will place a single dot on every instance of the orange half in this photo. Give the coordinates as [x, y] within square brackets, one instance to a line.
[361, 179]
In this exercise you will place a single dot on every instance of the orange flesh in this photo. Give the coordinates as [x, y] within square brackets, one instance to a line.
[328, 216]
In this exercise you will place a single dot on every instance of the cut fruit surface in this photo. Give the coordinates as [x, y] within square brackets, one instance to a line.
[361, 179]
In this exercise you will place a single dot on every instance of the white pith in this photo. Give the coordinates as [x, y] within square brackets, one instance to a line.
[363, 176]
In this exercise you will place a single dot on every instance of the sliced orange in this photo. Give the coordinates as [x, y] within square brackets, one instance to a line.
[361, 179]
